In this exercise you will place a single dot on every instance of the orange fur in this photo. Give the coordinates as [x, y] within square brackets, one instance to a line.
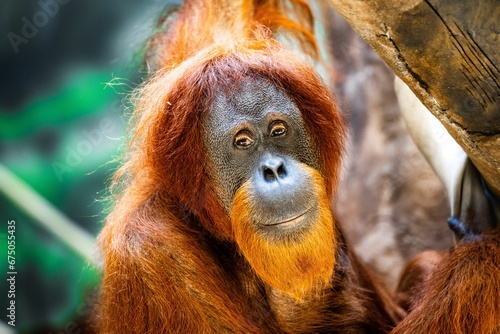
[298, 268]
[414, 277]
[201, 23]
[174, 260]
[462, 294]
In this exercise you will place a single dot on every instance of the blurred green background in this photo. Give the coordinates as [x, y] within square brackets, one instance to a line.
[66, 67]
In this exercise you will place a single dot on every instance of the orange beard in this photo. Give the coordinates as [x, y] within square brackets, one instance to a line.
[300, 266]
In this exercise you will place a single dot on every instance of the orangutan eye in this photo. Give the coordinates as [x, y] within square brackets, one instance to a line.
[243, 140]
[277, 129]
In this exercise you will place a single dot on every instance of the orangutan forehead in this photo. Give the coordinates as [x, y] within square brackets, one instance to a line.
[251, 101]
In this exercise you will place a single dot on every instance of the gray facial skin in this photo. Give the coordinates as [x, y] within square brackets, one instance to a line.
[257, 134]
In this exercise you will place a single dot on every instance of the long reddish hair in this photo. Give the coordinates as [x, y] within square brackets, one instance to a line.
[167, 150]
[166, 153]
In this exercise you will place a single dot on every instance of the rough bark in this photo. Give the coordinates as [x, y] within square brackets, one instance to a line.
[447, 53]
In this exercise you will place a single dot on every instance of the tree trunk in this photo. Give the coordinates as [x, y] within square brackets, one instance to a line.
[447, 52]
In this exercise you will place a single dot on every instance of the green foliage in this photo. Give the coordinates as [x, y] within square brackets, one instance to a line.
[53, 281]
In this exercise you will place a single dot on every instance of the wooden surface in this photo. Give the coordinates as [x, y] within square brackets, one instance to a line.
[448, 52]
